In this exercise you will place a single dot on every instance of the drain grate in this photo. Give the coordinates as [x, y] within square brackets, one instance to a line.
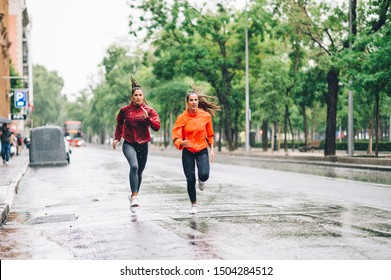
[52, 219]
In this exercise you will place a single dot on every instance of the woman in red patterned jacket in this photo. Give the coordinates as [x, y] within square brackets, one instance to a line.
[133, 123]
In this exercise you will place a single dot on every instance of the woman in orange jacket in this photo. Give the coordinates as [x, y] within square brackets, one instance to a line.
[193, 133]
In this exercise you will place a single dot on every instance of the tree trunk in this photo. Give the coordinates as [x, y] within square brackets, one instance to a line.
[102, 136]
[332, 100]
[236, 128]
[303, 111]
[377, 124]
[286, 128]
[264, 135]
[220, 130]
[274, 135]
[381, 128]
[223, 93]
[290, 127]
[370, 125]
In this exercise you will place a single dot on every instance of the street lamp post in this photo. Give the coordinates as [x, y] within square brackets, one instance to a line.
[247, 91]
[350, 94]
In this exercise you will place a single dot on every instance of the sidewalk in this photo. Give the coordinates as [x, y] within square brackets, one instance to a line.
[10, 176]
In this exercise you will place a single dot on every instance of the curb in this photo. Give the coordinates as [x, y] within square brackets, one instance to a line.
[332, 161]
[10, 192]
[320, 162]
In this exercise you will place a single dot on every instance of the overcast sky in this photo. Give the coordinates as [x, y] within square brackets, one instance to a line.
[71, 36]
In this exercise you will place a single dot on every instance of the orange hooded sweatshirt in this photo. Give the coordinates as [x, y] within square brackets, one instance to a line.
[197, 128]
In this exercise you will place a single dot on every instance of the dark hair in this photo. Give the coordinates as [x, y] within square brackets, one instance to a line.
[135, 85]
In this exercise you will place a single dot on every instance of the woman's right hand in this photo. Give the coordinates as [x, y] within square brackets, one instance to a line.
[115, 142]
[186, 143]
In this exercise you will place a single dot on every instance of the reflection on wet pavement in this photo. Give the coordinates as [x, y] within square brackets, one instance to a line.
[361, 175]
[82, 212]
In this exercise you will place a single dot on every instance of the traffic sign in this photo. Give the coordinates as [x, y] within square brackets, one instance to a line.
[20, 97]
[18, 116]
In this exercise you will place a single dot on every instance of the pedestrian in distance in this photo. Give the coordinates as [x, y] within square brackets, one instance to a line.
[192, 134]
[5, 136]
[20, 143]
[133, 123]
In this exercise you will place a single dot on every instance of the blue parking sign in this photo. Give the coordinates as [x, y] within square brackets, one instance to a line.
[20, 97]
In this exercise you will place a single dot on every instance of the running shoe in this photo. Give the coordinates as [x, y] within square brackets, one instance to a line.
[193, 209]
[201, 185]
[134, 203]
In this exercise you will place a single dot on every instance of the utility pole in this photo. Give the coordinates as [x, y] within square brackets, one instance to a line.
[247, 90]
[350, 94]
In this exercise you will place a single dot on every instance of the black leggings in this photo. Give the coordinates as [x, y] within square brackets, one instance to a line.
[189, 161]
[136, 154]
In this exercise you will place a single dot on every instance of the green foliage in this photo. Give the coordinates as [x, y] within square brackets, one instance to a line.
[48, 101]
[269, 90]
[292, 46]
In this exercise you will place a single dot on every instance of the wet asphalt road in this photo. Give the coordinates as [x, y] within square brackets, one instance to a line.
[81, 211]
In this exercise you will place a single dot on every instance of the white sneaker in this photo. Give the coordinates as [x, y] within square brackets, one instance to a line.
[134, 204]
[6, 163]
[193, 209]
[201, 185]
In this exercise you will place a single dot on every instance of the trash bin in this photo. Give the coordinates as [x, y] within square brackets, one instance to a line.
[47, 147]
[252, 138]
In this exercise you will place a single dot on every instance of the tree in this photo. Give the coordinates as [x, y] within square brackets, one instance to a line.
[197, 42]
[371, 64]
[270, 89]
[367, 62]
[327, 26]
[173, 105]
[324, 27]
[48, 103]
[113, 91]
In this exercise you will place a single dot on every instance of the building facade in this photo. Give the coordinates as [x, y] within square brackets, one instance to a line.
[4, 61]
[18, 23]
[20, 56]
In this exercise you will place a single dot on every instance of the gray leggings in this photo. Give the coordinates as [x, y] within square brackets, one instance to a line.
[136, 154]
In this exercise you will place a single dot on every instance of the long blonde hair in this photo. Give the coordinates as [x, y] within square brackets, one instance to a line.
[203, 102]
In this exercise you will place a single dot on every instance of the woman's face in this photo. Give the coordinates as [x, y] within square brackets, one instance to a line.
[138, 97]
[192, 102]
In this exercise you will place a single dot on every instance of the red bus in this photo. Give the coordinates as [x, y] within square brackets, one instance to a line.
[73, 133]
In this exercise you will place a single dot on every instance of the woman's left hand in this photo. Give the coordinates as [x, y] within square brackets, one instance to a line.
[145, 113]
[212, 155]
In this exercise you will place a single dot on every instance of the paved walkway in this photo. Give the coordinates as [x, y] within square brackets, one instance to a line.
[10, 176]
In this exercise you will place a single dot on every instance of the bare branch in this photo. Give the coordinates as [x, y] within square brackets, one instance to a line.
[331, 38]
[316, 41]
